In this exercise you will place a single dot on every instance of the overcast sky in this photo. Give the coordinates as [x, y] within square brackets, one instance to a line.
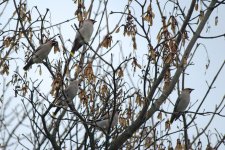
[198, 75]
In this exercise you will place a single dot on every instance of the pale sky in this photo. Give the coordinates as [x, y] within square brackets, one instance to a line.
[64, 10]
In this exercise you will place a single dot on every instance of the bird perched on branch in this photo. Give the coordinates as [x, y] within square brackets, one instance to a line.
[69, 93]
[110, 119]
[40, 53]
[83, 34]
[181, 104]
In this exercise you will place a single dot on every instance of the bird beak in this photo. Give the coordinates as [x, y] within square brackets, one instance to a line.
[191, 90]
[93, 21]
[54, 42]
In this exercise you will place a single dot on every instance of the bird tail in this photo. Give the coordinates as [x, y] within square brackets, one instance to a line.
[27, 66]
[76, 46]
[56, 111]
[59, 103]
[175, 116]
[62, 103]
[172, 118]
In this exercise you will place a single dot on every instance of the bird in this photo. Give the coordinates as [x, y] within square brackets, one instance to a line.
[40, 53]
[104, 123]
[83, 34]
[69, 93]
[181, 104]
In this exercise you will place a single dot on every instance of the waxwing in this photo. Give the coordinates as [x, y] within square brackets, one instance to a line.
[69, 93]
[83, 34]
[40, 54]
[181, 104]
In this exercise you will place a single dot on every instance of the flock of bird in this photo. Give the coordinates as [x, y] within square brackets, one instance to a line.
[83, 36]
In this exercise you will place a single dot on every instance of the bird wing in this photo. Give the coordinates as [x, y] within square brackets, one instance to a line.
[175, 114]
[34, 52]
[37, 51]
[76, 44]
[30, 62]
[39, 47]
[176, 105]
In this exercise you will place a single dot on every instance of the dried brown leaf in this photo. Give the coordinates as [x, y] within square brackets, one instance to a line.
[159, 116]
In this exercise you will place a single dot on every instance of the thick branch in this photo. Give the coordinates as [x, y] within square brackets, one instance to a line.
[117, 143]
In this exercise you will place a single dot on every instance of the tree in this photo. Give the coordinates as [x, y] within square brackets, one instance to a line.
[137, 79]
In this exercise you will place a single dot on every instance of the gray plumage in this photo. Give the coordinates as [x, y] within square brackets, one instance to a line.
[70, 92]
[181, 104]
[105, 121]
[83, 35]
[40, 54]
